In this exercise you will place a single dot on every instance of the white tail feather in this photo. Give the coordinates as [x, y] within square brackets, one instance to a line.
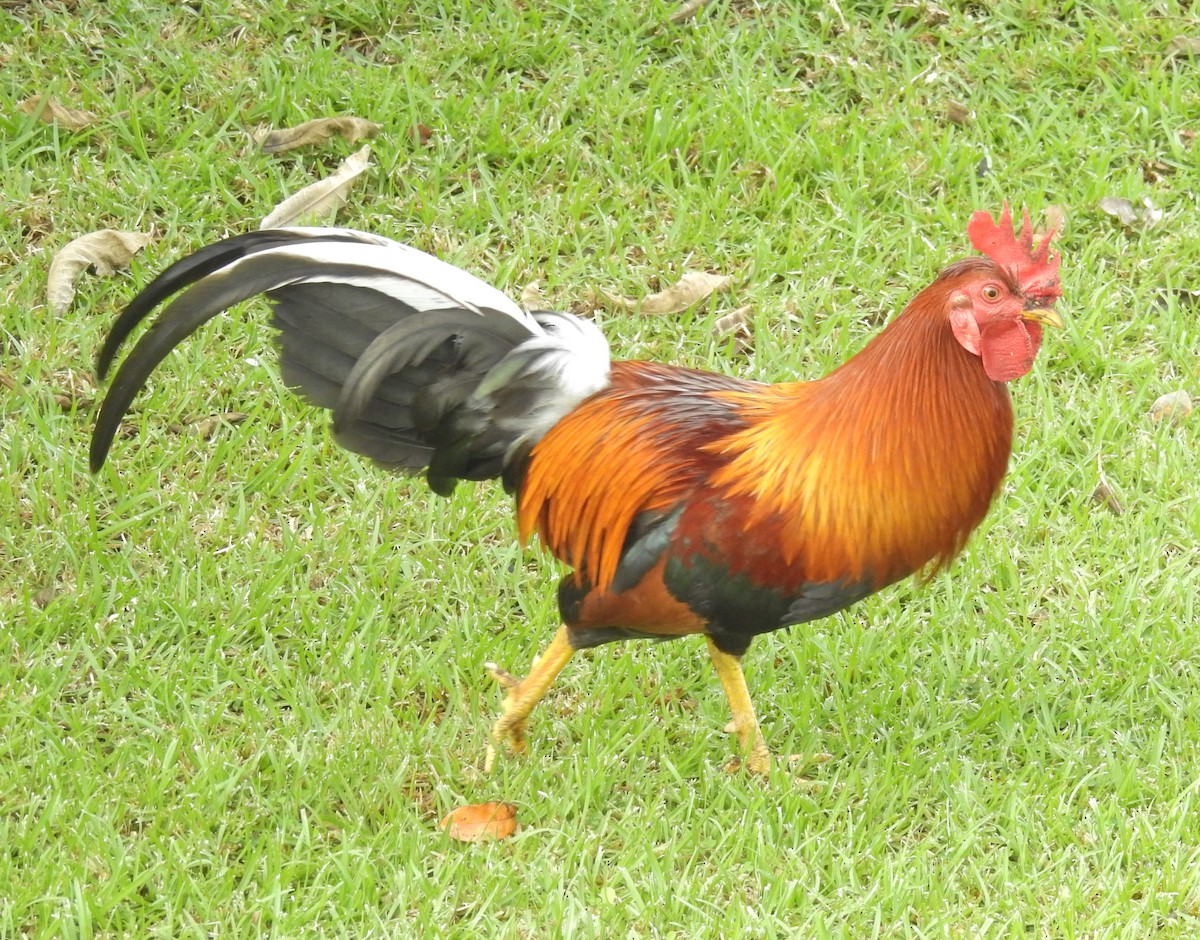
[405, 273]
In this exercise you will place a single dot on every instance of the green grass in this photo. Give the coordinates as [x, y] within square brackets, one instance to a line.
[242, 678]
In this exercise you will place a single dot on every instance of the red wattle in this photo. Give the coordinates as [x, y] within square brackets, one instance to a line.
[1009, 348]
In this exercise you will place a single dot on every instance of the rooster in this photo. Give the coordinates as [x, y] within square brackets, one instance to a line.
[685, 502]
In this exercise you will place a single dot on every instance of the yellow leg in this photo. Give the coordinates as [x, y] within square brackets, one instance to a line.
[524, 694]
[729, 671]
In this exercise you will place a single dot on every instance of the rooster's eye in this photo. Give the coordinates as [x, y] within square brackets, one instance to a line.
[991, 293]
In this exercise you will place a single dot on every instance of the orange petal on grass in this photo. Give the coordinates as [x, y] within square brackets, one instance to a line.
[481, 822]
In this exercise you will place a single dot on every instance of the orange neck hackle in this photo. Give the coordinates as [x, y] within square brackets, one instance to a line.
[884, 466]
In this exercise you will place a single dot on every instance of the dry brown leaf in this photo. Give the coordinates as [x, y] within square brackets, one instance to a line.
[737, 325]
[106, 251]
[420, 134]
[46, 109]
[688, 291]
[1181, 295]
[317, 131]
[1054, 220]
[320, 202]
[932, 13]
[1130, 215]
[1104, 495]
[481, 822]
[1154, 170]
[1173, 407]
[1121, 209]
[532, 297]
[1183, 47]
[958, 113]
[206, 427]
[738, 321]
[73, 389]
[688, 11]
[761, 175]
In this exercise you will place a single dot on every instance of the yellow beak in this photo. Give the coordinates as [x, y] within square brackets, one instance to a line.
[1044, 315]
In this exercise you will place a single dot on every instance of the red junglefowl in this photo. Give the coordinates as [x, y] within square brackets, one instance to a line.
[686, 502]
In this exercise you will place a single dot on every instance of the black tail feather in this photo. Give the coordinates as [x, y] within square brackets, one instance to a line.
[186, 271]
[421, 364]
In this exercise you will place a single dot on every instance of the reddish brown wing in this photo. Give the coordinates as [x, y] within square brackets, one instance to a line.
[637, 447]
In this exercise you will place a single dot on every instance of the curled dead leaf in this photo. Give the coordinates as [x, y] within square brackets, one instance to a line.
[317, 131]
[1054, 220]
[1130, 215]
[319, 202]
[931, 13]
[958, 113]
[532, 297]
[1103, 495]
[1183, 47]
[481, 822]
[1154, 170]
[206, 427]
[421, 134]
[1150, 215]
[73, 389]
[1121, 209]
[1173, 407]
[761, 175]
[46, 109]
[737, 325]
[688, 291]
[1182, 296]
[106, 251]
[688, 11]
[737, 321]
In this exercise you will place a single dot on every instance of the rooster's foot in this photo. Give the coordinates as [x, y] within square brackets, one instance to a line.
[757, 758]
[523, 694]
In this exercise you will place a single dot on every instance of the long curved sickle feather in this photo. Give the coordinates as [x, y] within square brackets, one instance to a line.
[178, 321]
[186, 271]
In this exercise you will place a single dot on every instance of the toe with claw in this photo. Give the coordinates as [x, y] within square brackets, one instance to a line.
[522, 695]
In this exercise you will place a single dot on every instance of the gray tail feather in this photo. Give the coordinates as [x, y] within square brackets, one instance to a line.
[397, 345]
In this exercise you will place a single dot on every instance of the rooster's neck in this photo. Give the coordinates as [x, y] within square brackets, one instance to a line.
[915, 371]
[885, 465]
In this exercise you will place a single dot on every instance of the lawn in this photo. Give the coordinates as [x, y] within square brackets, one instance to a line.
[242, 670]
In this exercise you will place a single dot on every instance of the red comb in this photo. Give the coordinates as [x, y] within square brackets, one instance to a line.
[1035, 268]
